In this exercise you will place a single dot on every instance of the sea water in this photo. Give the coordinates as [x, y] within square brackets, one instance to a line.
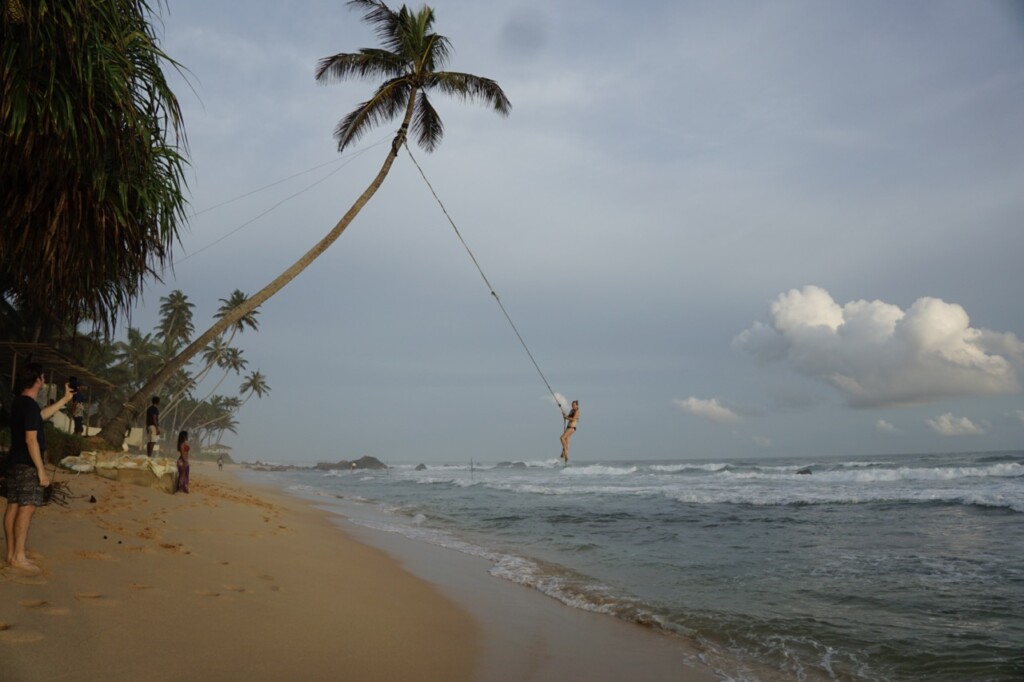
[880, 568]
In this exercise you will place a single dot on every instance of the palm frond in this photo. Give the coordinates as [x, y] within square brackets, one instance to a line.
[384, 20]
[469, 87]
[426, 124]
[367, 63]
[387, 103]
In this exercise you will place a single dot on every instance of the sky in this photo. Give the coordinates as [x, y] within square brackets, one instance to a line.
[729, 229]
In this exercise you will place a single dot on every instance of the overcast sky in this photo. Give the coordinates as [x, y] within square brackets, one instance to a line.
[730, 229]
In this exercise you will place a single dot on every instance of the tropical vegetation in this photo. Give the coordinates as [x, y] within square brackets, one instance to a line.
[187, 401]
[92, 159]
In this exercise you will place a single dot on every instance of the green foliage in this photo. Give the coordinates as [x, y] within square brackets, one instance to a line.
[92, 157]
[60, 444]
[411, 64]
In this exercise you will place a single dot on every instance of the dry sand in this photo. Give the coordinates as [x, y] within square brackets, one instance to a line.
[237, 581]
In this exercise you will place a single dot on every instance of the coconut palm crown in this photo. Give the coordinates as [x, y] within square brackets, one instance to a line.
[411, 61]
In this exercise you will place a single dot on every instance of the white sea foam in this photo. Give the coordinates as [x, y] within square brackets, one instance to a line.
[1002, 470]
[598, 470]
[676, 468]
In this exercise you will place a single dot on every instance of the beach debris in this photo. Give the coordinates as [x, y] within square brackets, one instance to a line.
[156, 472]
[58, 493]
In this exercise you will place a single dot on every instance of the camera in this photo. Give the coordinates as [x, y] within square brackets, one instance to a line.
[73, 383]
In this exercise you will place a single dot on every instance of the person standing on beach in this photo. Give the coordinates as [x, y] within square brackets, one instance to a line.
[152, 425]
[570, 428]
[183, 450]
[27, 480]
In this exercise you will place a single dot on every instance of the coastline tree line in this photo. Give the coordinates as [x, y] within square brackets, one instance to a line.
[92, 158]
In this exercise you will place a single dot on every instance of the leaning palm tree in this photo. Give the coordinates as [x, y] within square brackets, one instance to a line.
[411, 64]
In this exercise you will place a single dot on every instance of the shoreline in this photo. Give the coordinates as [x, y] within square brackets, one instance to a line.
[527, 635]
[245, 580]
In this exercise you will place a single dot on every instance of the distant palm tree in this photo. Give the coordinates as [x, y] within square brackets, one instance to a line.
[228, 305]
[176, 318]
[230, 360]
[136, 356]
[411, 63]
[254, 385]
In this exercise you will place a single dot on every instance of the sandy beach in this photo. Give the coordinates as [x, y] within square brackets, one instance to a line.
[237, 581]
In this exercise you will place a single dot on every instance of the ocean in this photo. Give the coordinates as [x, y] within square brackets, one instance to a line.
[902, 567]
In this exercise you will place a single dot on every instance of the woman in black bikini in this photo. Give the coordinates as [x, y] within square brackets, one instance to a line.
[570, 428]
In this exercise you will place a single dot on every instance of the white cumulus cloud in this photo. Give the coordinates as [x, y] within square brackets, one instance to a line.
[885, 427]
[948, 425]
[877, 354]
[709, 409]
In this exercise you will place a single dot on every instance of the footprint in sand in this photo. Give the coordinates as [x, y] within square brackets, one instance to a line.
[207, 593]
[13, 635]
[43, 606]
[140, 586]
[235, 588]
[95, 598]
[15, 575]
[95, 556]
[175, 547]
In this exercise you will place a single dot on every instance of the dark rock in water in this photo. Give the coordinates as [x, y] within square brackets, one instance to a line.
[260, 466]
[421, 467]
[806, 471]
[361, 463]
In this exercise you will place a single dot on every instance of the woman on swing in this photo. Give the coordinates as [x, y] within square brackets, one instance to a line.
[570, 428]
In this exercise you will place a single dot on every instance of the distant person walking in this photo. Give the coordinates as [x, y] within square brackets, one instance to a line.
[27, 482]
[570, 428]
[152, 425]
[183, 450]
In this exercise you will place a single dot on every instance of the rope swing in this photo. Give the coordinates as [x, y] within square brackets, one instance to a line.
[486, 281]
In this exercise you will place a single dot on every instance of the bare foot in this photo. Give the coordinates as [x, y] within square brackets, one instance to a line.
[26, 566]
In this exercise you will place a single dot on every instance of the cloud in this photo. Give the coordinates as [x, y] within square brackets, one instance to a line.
[709, 409]
[878, 355]
[948, 425]
[1020, 415]
[885, 427]
[763, 442]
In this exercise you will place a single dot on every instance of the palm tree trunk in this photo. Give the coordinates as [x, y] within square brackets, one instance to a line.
[114, 431]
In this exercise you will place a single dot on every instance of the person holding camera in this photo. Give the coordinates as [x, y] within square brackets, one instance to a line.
[27, 480]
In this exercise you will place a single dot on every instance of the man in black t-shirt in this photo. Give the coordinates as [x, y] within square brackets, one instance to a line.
[152, 425]
[27, 479]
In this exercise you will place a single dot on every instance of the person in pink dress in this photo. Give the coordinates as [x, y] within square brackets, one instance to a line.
[183, 449]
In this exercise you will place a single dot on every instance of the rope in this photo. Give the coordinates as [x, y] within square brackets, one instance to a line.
[486, 281]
